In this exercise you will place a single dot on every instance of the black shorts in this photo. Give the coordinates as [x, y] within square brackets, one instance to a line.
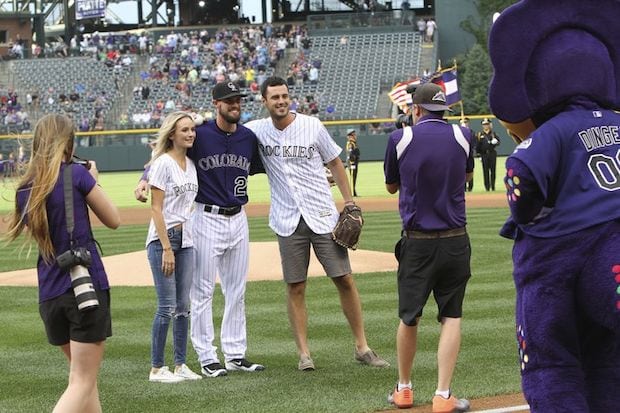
[63, 321]
[439, 265]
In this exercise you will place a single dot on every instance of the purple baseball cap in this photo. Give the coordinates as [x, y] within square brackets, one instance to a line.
[546, 51]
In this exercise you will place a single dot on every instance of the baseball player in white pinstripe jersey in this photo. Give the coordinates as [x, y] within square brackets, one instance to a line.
[293, 148]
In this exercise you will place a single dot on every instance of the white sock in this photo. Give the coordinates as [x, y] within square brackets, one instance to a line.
[443, 393]
[403, 386]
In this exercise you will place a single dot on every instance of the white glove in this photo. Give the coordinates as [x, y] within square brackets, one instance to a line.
[494, 141]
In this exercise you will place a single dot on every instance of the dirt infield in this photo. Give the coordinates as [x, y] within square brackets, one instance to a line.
[491, 200]
[495, 404]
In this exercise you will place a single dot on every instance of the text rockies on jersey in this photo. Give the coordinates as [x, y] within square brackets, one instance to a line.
[224, 160]
[184, 188]
[288, 151]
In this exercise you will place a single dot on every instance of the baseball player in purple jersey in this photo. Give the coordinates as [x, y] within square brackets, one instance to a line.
[428, 164]
[294, 148]
[224, 153]
[556, 93]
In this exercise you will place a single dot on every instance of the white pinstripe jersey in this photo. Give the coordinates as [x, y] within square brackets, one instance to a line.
[180, 188]
[293, 159]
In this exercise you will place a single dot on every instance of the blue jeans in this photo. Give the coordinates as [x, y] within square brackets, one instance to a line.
[172, 298]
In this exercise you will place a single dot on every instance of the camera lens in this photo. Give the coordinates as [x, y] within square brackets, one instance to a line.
[82, 284]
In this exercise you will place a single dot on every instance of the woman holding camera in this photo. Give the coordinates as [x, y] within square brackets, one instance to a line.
[40, 209]
[174, 185]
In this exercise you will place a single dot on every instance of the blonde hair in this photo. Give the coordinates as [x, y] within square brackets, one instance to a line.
[52, 143]
[167, 129]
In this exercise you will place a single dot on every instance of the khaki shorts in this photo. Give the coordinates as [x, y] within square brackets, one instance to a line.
[295, 254]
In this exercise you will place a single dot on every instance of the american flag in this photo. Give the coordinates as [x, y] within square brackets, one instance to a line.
[446, 79]
[399, 96]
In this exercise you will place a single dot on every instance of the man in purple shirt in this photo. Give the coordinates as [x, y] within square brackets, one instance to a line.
[428, 164]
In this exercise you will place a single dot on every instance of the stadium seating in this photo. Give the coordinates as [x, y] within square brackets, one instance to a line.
[351, 74]
[97, 84]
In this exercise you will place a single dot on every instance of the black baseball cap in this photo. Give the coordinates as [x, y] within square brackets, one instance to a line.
[431, 97]
[226, 90]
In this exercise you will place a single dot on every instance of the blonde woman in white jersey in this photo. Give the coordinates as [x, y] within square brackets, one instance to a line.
[173, 182]
[293, 148]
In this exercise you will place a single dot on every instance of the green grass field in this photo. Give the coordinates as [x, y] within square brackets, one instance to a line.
[120, 185]
[33, 373]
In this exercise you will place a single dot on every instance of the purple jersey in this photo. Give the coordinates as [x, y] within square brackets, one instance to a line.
[223, 162]
[429, 162]
[52, 280]
[574, 159]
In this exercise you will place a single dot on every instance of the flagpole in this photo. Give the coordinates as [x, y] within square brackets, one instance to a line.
[462, 111]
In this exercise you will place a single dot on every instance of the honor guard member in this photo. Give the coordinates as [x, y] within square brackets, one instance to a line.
[469, 186]
[434, 251]
[353, 157]
[487, 142]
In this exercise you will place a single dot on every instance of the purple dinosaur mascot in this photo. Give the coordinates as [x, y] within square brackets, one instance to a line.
[555, 87]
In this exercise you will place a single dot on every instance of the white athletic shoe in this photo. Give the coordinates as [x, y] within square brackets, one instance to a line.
[164, 375]
[186, 373]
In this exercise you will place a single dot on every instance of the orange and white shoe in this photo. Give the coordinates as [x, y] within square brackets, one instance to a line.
[402, 399]
[450, 405]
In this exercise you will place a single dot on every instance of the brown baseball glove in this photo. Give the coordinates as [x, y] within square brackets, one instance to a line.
[349, 227]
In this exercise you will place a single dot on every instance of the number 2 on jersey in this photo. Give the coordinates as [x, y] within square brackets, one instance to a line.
[241, 186]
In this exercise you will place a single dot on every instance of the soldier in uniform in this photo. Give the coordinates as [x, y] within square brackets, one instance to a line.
[353, 157]
[487, 141]
[469, 186]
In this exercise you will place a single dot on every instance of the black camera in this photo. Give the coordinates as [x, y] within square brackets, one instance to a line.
[79, 161]
[77, 262]
[73, 257]
[403, 120]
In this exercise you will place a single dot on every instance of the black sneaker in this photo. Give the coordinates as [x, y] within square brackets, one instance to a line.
[214, 370]
[243, 365]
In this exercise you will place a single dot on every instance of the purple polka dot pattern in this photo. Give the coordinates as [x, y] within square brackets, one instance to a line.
[522, 347]
[512, 186]
[616, 270]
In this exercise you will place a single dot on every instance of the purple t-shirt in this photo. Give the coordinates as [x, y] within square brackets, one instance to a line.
[52, 280]
[223, 162]
[574, 160]
[430, 163]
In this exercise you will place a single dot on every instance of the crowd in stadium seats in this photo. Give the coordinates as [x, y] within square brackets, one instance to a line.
[13, 117]
[132, 80]
[181, 70]
[183, 67]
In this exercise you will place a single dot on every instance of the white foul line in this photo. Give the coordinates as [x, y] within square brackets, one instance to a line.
[521, 408]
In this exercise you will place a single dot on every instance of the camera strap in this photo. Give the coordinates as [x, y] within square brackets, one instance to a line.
[68, 193]
[69, 212]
